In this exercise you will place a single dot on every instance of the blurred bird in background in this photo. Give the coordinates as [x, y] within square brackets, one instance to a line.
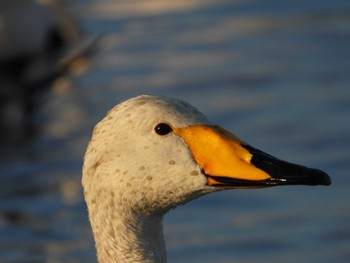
[39, 40]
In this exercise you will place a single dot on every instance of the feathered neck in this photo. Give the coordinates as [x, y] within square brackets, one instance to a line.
[124, 235]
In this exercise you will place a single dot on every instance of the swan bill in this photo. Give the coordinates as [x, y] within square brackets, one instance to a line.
[229, 162]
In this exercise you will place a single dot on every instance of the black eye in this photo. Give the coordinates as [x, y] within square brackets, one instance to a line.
[163, 129]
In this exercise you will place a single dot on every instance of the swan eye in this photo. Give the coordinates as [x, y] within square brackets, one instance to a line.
[163, 129]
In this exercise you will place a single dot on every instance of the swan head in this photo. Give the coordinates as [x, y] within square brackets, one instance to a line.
[135, 155]
[150, 154]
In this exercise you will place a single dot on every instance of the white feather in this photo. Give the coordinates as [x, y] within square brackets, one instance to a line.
[132, 176]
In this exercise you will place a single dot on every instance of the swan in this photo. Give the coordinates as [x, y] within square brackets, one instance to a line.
[151, 154]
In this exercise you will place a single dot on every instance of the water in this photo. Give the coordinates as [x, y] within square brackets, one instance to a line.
[276, 73]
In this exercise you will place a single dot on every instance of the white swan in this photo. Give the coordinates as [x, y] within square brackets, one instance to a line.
[150, 154]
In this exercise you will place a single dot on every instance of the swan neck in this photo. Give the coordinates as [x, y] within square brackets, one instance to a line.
[129, 237]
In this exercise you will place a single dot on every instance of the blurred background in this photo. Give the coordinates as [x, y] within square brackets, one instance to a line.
[274, 72]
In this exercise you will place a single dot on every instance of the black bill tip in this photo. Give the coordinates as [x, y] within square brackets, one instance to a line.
[285, 173]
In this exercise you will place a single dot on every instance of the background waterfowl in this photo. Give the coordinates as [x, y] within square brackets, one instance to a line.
[39, 40]
[151, 154]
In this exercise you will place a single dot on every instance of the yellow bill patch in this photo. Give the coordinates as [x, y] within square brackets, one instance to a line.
[219, 153]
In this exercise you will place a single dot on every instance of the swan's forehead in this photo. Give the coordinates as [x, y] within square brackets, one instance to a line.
[144, 111]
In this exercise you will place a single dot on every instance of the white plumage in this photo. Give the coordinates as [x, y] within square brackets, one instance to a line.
[133, 174]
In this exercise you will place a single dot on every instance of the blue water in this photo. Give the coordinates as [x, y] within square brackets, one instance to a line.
[276, 73]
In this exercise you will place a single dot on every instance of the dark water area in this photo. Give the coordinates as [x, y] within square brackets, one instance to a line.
[275, 73]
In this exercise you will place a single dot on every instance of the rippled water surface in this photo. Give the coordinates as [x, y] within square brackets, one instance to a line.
[276, 73]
